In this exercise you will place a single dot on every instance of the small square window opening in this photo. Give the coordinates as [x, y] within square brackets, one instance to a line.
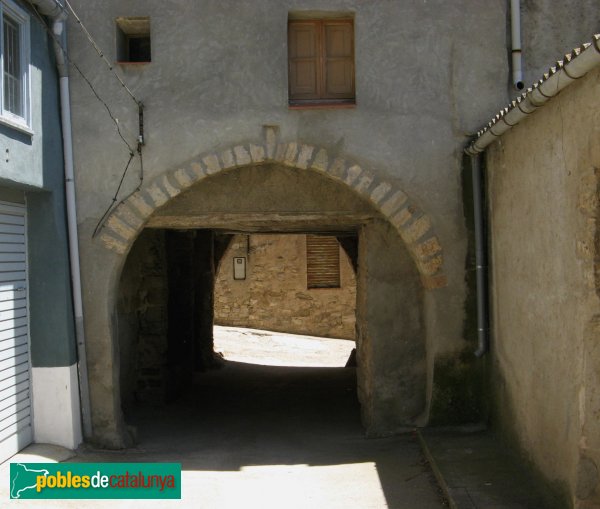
[133, 40]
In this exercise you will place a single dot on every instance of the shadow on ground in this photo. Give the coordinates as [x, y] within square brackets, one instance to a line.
[272, 432]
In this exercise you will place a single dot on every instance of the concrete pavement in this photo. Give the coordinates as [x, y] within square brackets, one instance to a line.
[270, 437]
[477, 470]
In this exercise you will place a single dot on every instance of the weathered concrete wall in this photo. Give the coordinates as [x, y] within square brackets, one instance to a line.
[392, 373]
[420, 94]
[274, 295]
[428, 75]
[543, 189]
[550, 29]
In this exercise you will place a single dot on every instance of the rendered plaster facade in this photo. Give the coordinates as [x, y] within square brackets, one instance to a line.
[543, 202]
[224, 151]
[31, 173]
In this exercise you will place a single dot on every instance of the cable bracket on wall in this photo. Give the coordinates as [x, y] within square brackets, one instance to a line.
[141, 141]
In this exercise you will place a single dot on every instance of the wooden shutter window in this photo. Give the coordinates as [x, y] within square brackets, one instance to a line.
[304, 61]
[339, 61]
[321, 61]
[322, 262]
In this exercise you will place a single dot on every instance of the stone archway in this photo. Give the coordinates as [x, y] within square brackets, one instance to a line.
[107, 255]
[414, 226]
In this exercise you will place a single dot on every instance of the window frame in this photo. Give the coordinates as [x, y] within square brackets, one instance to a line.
[20, 16]
[124, 34]
[321, 102]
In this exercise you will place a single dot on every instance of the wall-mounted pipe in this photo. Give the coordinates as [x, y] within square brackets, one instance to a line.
[517, 57]
[54, 10]
[573, 66]
[480, 258]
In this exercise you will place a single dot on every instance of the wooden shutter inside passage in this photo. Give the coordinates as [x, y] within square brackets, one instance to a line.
[322, 261]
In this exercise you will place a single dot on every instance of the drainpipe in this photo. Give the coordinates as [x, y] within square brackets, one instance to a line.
[56, 12]
[480, 259]
[517, 59]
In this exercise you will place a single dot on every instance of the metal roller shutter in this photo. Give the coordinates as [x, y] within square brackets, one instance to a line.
[322, 261]
[15, 402]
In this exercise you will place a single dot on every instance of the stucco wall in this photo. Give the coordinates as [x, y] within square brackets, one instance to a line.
[550, 29]
[420, 94]
[31, 171]
[51, 305]
[428, 75]
[543, 202]
[274, 295]
[426, 78]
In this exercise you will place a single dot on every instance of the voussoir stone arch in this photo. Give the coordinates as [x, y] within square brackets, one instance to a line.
[413, 225]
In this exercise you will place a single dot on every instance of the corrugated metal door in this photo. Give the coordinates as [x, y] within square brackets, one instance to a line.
[15, 402]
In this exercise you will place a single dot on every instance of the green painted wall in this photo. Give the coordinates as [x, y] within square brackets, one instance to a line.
[33, 165]
[52, 324]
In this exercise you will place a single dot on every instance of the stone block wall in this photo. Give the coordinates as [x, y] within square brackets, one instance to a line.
[143, 320]
[274, 295]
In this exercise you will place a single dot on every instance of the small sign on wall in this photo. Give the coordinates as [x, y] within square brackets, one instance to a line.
[239, 267]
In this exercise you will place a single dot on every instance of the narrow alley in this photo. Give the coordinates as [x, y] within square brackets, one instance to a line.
[256, 436]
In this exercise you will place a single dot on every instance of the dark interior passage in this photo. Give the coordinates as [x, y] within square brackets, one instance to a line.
[254, 407]
[165, 314]
[269, 433]
[166, 307]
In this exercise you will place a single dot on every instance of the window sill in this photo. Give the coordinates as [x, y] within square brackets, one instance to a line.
[8, 122]
[322, 105]
[133, 64]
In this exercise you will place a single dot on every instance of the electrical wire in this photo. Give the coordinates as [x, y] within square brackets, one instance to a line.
[139, 104]
[112, 204]
[98, 49]
[85, 78]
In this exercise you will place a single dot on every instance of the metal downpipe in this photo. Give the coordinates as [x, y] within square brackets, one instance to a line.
[56, 12]
[516, 50]
[480, 259]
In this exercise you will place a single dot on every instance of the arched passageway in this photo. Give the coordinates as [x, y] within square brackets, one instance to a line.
[286, 188]
[166, 289]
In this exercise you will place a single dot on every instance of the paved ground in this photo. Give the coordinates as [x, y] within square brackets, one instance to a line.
[279, 349]
[267, 437]
[478, 471]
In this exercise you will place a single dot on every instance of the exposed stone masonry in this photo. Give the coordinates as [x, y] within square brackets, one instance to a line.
[413, 225]
[274, 295]
[142, 307]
